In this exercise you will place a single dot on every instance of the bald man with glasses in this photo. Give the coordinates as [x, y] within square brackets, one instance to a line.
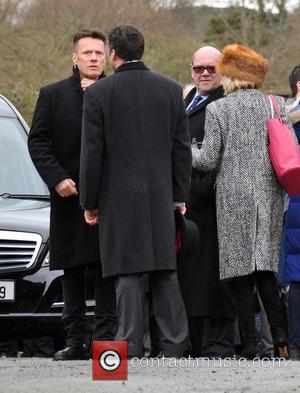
[208, 303]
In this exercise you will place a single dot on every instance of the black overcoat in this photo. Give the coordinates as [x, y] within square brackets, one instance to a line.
[203, 293]
[54, 145]
[136, 161]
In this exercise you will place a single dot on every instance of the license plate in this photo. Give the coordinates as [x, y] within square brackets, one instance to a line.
[7, 291]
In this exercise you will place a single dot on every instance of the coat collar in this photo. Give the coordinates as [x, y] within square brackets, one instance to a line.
[137, 65]
[294, 115]
[75, 78]
[215, 95]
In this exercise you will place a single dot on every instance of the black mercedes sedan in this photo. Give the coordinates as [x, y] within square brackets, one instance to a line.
[30, 294]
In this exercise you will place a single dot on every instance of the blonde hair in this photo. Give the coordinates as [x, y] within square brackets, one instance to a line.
[230, 85]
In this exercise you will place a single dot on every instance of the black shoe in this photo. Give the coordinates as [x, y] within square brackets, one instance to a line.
[154, 354]
[215, 355]
[266, 355]
[295, 353]
[248, 351]
[72, 353]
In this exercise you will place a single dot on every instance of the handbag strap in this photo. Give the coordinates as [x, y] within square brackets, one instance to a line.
[274, 106]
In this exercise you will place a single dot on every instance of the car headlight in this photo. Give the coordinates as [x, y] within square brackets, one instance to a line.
[46, 261]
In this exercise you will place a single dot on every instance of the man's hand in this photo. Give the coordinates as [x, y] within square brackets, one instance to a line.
[91, 216]
[181, 209]
[85, 82]
[66, 188]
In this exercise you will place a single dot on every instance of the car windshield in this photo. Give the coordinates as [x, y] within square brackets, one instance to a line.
[17, 172]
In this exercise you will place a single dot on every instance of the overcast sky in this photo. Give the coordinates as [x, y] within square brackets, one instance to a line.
[290, 4]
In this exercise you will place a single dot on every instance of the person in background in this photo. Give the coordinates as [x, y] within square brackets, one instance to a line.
[208, 302]
[291, 234]
[249, 197]
[54, 145]
[264, 342]
[135, 170]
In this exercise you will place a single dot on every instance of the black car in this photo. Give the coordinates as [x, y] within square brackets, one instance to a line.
[30, 294]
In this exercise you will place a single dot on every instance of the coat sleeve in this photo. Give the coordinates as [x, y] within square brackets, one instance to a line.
[39, 143]
[285, 116]
[92, 147]
[181, 158]
[208, 156]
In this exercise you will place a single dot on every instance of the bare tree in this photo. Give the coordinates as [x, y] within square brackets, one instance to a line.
[36, 36]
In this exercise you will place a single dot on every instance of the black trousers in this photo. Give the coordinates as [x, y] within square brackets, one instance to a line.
[74, 293]
[213, 336]
[242, 289]
[294, 314]
[168, 310]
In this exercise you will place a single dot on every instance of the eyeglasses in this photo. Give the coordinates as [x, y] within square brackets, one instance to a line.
[200, 69]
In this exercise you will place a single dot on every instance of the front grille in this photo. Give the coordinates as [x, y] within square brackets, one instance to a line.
[22, 305]
[18, 250]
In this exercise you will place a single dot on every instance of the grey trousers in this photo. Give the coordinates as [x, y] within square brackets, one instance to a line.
[168, 309]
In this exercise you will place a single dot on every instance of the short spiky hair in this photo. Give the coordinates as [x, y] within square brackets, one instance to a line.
[127, 41]
[294, 77]
[86, 33]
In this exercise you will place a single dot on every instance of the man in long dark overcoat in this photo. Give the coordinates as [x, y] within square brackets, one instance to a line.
[208, 303]
[135, 165]
[54, 145]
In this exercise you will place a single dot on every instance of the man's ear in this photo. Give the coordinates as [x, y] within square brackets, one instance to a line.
[74, 57]
[112, 55]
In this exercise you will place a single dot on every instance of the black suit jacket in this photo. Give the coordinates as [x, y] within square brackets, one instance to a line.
[202, 185]
[197, 116]
[203, 293]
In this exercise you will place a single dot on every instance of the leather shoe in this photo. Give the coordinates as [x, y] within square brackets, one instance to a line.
[248, 351]
[72, 353]
[155, 354]
[215, 355]
[295, 353]
[281, 349]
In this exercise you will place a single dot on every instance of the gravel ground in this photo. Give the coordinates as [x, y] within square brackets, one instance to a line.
[45, 376]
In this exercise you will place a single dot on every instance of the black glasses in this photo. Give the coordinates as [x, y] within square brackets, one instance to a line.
[199, 69]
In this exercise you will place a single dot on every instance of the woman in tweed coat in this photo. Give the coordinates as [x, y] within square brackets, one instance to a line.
[249, 198]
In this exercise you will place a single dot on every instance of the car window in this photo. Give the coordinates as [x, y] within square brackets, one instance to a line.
[17, 172]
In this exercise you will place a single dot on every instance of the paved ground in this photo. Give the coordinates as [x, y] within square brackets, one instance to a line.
[45, 376]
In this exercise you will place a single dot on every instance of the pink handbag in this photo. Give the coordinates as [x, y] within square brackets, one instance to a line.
[284, 152]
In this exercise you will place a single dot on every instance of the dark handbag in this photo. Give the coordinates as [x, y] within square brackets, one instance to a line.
[284, 152]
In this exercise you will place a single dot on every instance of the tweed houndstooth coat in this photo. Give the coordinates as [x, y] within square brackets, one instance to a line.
[248, 195]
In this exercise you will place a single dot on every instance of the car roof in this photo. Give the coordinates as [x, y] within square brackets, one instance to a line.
[7, 109]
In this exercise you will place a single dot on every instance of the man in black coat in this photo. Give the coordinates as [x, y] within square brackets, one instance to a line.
[208, 303]
[54, 145]
[135, 168]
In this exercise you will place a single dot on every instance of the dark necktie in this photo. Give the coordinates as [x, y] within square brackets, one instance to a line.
[194, 103]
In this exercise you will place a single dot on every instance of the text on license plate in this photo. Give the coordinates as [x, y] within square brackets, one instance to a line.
[7, 290]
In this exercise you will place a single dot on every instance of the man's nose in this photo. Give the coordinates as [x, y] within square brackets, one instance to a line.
[94, 56]
[205, 72]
